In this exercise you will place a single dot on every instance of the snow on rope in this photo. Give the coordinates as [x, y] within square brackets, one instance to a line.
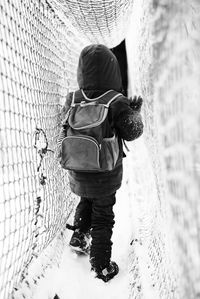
[164, 66]
[103, 21]
[38, 58]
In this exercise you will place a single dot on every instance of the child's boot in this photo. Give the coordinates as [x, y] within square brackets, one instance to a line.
[80, 242]
[107, 273]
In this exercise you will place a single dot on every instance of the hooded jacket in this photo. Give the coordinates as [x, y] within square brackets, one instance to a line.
[98, 71]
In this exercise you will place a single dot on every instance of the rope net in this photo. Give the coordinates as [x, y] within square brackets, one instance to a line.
[38, 58]
[39, 47]
[99, 21]
[164, 66]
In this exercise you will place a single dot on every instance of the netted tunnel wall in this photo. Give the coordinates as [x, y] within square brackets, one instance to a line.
[164, 66]
[38, 58]
[39, 48]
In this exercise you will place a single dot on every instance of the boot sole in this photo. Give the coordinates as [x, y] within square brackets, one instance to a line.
[78, 251]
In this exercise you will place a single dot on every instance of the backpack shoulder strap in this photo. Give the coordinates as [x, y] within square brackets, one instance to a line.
[108, 97]
[73, 100]
[112, 97]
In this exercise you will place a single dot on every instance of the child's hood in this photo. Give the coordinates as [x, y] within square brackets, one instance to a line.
[98, 69]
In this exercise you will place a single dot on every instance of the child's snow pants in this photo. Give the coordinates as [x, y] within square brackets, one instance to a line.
[97, 214]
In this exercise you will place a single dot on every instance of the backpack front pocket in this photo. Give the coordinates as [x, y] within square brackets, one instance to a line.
[80, 153]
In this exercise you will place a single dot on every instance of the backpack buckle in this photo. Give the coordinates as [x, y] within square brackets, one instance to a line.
[82, 103]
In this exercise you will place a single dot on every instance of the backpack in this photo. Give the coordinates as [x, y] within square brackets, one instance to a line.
[85, 148]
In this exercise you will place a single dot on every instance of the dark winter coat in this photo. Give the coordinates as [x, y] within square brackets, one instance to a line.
[98, 72]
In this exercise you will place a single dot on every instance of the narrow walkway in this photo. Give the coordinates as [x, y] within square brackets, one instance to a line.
[73, 278]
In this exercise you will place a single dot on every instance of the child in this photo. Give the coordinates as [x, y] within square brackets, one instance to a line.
[98, 72]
